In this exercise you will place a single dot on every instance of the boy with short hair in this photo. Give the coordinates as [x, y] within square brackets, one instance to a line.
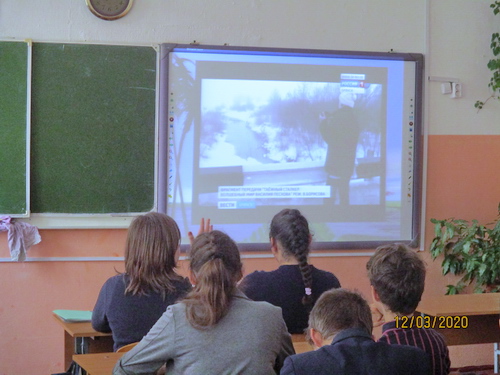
[340, 326]
[397, 278]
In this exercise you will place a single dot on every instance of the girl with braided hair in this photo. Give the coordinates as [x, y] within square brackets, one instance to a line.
[216, 329]
[295, 285]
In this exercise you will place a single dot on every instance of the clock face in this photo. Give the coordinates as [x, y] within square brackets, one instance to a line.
[109, 9]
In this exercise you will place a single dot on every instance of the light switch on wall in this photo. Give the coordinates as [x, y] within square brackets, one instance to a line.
[446, 88]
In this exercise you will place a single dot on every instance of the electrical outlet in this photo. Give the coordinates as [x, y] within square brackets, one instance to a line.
[456, 90]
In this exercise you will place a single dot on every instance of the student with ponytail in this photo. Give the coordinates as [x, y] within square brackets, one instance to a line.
[295, 285]
[216, 329]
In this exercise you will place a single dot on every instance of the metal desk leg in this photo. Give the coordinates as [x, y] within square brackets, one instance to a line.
[81, 347]
[496, 353]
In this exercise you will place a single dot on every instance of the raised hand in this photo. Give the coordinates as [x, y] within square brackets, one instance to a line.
[205, 227]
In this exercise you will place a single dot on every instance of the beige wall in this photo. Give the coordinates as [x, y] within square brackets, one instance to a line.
[462, 178]
[31, 290]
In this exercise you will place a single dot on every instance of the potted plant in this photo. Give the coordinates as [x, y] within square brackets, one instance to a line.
[494, 63]
[470, 250]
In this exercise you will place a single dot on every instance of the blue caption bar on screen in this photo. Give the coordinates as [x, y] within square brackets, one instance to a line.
[246, 204]
[233, 205]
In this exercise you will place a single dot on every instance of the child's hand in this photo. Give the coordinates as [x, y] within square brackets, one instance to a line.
[204, 228]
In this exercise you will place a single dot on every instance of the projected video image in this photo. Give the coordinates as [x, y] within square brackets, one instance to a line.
[282, 143]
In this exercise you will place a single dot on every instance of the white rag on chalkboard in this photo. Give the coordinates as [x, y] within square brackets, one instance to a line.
[21, 236]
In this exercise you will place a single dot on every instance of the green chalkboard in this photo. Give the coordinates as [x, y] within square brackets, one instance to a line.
[14, 128]
[93, 128]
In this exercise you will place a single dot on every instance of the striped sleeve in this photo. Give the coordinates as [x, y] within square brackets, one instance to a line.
[428, 340]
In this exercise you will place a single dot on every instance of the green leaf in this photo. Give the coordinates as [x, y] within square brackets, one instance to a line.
[451, 289]
[478, 289]
[446, 266]
[482, 269]
[449, 231]
[435, 248]
[458, 247]
[473, 266]
[455, 267]
[437, 228]
[466, 247]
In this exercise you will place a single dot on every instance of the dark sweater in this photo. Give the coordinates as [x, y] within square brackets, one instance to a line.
[354, 352]
[284, 288]
[130, 317]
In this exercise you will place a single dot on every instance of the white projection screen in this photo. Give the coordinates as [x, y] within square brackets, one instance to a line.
[246, 132]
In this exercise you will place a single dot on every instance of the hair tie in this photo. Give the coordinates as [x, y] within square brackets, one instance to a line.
[308, 291]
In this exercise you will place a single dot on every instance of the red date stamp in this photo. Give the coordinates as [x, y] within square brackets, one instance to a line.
[426, 321]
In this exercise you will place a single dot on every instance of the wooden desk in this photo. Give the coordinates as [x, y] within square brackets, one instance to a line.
[103, 363]
[300, 343]
[97, 363]
[482, 311]
[81, 338]
[302, 347]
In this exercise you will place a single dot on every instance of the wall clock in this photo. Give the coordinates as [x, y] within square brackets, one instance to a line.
[109, 9]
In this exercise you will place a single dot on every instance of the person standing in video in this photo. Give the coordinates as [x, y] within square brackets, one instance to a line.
[340, 130]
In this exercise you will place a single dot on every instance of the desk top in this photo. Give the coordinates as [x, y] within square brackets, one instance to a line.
[461, 304]
[103, 363]
[98, 363]
[80, 329]
[300, 344]
[302, 347]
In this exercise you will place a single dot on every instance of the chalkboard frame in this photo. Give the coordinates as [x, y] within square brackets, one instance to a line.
[16, 186]
[89, 220]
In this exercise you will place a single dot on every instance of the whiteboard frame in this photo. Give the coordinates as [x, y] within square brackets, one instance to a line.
[418, 194]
